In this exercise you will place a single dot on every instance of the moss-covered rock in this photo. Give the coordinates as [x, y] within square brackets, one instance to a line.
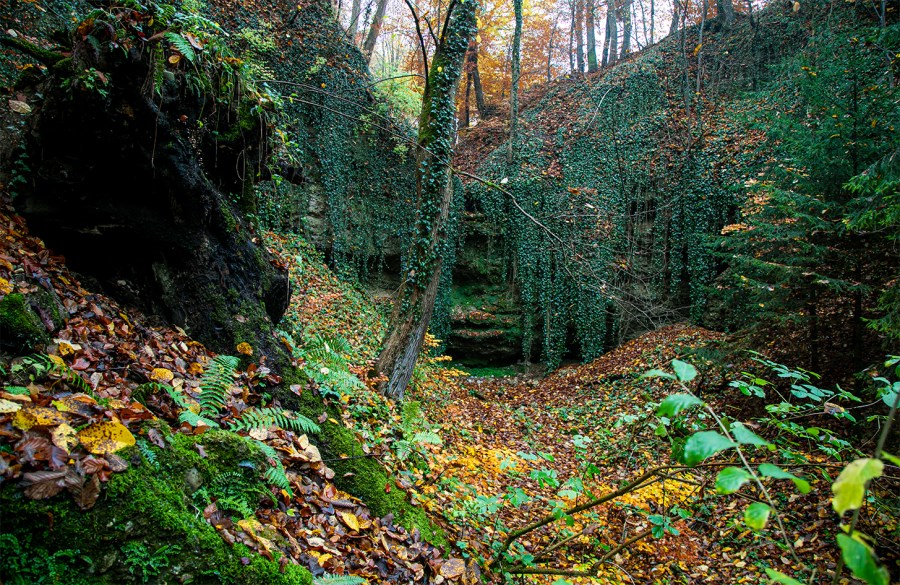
[145, 527]
[21, 328]
[362, 476]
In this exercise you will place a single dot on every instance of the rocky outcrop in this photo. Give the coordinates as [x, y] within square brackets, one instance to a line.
[141, 185]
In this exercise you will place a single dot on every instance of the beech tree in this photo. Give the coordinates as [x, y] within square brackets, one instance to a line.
[374, 29]
[514, 87]
[591, 36]
[414, 305]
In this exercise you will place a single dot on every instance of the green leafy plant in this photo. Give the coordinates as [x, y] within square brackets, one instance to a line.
[260, 418]
[327, 579]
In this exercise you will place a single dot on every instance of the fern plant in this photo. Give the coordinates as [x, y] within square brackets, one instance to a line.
[326, 579]
[327, 365]
[261, 418]
[275, 475]
[39, 366]
[216, 381]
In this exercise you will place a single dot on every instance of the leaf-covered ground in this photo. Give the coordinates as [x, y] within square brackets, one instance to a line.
[457, 446]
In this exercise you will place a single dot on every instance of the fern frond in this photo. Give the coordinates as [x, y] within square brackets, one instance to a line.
[182, 45]
[327, 579]
[147, 453]
[195, 420]
[276, 474]
[150, 388]
[215, 384]
[427, 437]
[262, 418]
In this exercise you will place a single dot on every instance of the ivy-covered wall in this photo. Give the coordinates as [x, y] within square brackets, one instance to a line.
[622, 181]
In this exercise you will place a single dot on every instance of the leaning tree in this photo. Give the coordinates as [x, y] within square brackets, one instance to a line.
[434, 192]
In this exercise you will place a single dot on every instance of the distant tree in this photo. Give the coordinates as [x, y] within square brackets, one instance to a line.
[590, 25]
[626, 27]
[610, 47]
[514, 87]
[579, 35]
[415, 300]
[374, 29]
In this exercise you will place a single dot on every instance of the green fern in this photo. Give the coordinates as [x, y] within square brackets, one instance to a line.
[142, 392]
[182, 45]
[427, 437]
[275, 475]
[216, 382]
[262, 418]
[147, 453]
[41, 365]
[196, 420]
[327, 579]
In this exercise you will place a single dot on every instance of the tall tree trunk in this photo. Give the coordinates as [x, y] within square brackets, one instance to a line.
[725, 9]
[374, 30]
[626, 27]
[579, 35]
[354, 20]
[466, 111]
[476, 83]
[676, 16]
[514, 85]
[415, 299]
[572, 38]
[604, 59]
[590, 25]
[653, 21]
[612, 34]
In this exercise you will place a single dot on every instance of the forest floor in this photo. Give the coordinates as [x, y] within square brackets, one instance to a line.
[497, 454]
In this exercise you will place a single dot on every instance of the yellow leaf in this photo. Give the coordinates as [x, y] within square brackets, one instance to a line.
[106, 437]
[697, 49]
[58, 361]
[350, 520]
[245, 348]
[35, 416]
[161, 375]
[7, 406]
[195, 369]
[66, 348]
[5, 287]
[64, 437]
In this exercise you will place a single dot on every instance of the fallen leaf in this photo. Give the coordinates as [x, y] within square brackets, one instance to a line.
[350, 520]
[64, 437]
[106, 437]
[161, 375]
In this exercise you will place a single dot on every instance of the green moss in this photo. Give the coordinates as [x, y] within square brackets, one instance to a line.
[362, 476]
[20, 328]
[145, 523]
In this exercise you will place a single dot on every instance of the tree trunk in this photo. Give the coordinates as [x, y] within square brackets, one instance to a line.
[476, 83]
[467, 119]
[354, 20]
[572, 39]
[612, 36]
[415, 299]
[725, 9]
[676, 16]
[579, 35]
[374, 30]
[590, 25]
[626, 27]
[514, 86]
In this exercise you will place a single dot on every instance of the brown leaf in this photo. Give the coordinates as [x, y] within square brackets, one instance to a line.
[90, 491]
[116, 462]
[453, 568]
[156, 438]
[40, 485]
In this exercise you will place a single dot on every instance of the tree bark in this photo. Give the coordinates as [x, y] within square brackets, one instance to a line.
[626, 27]
[579, 35]
[590, 25]
[514, 86]
[374, 30]
[415, 300]
[354, 20]
[676, 16]
[610, 50]
[725, 9]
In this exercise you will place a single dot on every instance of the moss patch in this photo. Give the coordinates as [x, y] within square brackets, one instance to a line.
[20, 327]
[362, 476]
[145, 527]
